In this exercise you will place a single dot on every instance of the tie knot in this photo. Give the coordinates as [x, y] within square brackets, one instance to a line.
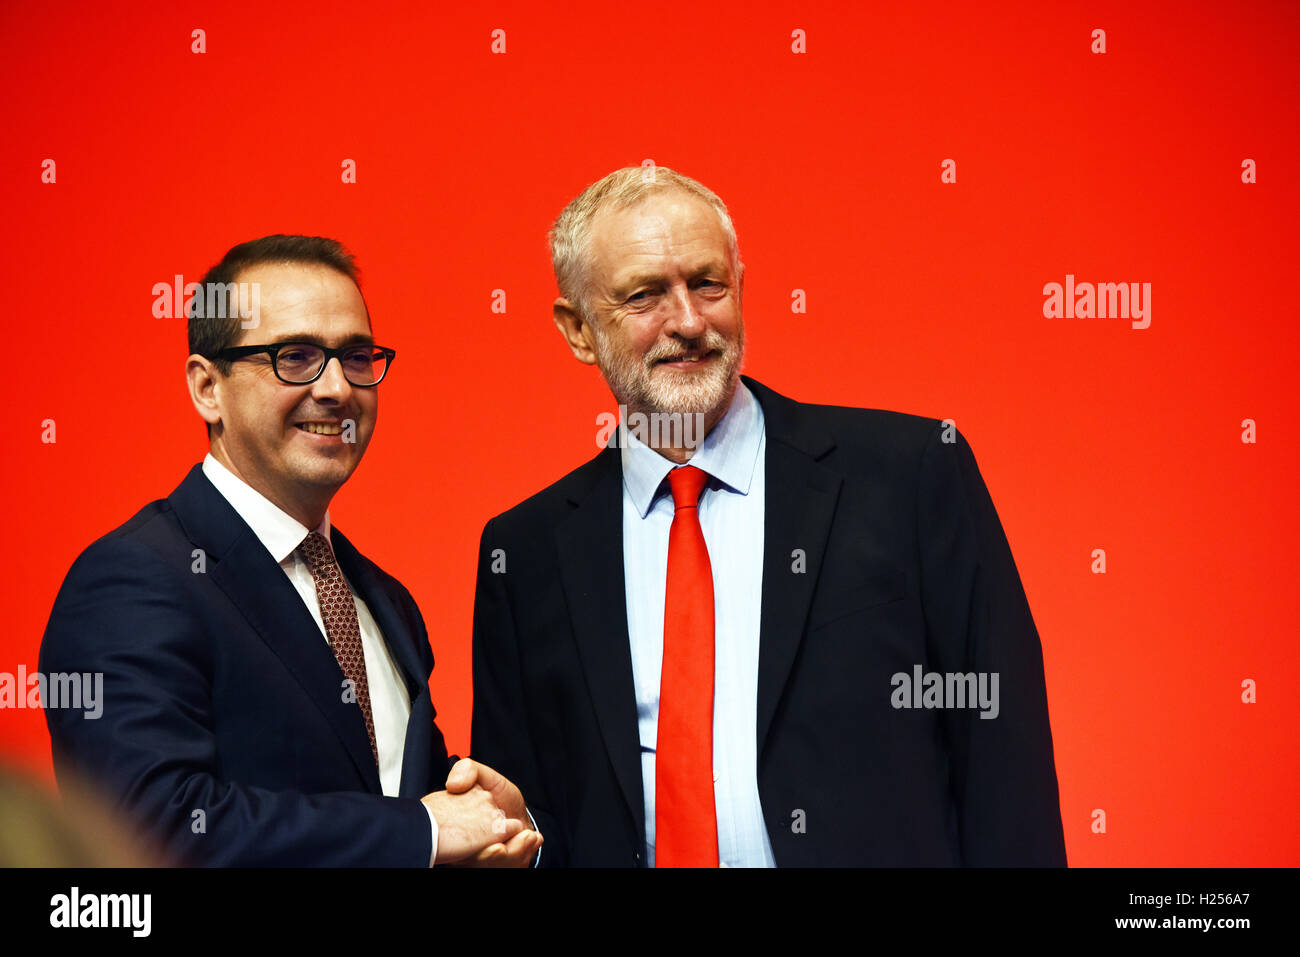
[687, 483]
[318, 553]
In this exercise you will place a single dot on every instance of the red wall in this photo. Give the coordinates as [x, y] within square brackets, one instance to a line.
[1124, 166]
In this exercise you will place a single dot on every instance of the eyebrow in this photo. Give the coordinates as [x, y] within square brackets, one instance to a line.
[636, 280]
[356, 339]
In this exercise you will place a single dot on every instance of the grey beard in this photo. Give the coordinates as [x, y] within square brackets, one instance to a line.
[632, 385]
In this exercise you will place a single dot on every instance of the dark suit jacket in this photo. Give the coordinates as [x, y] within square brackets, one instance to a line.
[222, 696]
[906, 564]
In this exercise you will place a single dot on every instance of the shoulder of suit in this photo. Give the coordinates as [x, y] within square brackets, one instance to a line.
[879, 434]
[150, 538]
[554, 500]
[875, 427]
[878, 447]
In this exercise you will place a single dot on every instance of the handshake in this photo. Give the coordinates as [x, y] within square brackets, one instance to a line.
[482, 819]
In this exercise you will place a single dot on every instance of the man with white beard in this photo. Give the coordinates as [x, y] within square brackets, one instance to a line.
[684, 650]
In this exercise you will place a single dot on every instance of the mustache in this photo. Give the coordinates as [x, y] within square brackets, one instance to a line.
[311, 414]
[712, 341]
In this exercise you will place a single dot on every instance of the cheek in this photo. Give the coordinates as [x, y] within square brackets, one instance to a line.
[725, 316]
[369, 411]
[272, 413]
[641, 337]
[248, 412]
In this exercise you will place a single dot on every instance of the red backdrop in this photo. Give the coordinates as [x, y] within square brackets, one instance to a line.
[922, 296]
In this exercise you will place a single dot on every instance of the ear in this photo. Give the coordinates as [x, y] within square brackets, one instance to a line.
[576, 331]
[203, 379]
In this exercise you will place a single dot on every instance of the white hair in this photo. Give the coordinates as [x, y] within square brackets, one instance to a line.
[570, 236]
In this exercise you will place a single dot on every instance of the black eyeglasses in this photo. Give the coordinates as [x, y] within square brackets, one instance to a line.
[300, 363]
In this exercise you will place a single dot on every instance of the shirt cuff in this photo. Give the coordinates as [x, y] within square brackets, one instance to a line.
[537, 858]
[433, 828]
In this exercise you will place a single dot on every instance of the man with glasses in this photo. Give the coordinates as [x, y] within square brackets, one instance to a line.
[265, 686]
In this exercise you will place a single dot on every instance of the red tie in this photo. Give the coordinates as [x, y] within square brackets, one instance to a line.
[686, 824]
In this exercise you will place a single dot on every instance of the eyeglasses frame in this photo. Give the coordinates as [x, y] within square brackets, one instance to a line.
[274, 349]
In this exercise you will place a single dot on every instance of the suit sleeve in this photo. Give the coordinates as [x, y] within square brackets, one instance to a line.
[1001, 768]
[500, 736]
[154, 749]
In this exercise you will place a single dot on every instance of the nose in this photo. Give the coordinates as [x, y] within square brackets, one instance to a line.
[684, 319]
[332, 384]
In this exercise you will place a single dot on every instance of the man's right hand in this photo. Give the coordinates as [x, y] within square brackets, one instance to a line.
[468, 822]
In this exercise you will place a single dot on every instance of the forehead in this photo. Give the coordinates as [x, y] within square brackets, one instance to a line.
[668, 229]
[304, 298]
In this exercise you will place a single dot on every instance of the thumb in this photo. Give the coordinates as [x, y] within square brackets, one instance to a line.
[504, 793]
[463, 775]
[490, 780]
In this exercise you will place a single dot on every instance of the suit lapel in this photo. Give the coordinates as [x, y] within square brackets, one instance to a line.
[240, 565]
[361, 575]
[590, 545]
[800, 500]
[799, 506]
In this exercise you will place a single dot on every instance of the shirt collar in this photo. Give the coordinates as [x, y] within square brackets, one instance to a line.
[728, 453]
[280, 532]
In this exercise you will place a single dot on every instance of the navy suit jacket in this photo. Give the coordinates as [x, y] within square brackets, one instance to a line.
[224, 730]
[882, 551]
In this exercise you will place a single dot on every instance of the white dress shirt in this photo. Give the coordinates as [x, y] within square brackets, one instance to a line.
[281, 534]
[731, 516]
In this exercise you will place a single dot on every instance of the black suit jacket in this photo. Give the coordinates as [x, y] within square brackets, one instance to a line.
[904, 563]
[222, 697]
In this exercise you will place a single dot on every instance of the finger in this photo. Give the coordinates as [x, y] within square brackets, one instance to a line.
[525, 840]
[463, 775]
[487, 857]
[520, 850]
[504, 828]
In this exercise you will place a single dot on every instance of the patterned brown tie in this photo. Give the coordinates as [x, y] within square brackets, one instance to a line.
[340, 616]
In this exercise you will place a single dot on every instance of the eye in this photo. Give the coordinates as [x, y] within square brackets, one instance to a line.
[293, 355]
[358, 358]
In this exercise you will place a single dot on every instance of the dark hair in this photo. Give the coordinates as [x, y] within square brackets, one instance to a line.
[212, 330]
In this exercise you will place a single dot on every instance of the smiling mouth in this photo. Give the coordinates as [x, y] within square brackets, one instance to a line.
[320, 428]
[687, 358]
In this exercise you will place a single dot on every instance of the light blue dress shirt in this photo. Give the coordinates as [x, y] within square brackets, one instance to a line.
[731, 516]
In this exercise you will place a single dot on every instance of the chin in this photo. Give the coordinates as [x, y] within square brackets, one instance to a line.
[703, 394]
[325, 474]
[664, 390]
